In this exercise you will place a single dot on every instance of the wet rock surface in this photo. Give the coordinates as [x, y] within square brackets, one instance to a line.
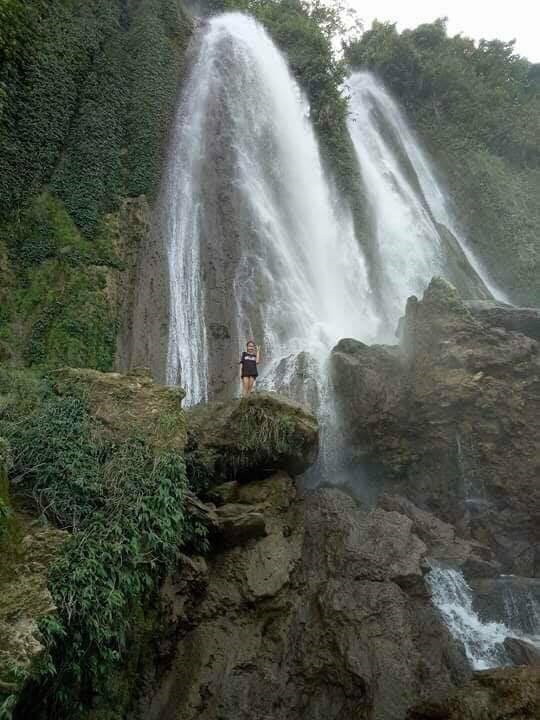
[325, 616]
[452, 420]
[510, 599]
[502, 694]
[516, 319]
[522, 652]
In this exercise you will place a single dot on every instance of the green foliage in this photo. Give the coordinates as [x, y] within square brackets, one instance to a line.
[125, 506]
[87, 90]
[477, 106]
[264, 431]
[158, 36]
[5, 514]
[54, 45]
[481, 90]
[61, 290]
[5, 509]
[89, 177]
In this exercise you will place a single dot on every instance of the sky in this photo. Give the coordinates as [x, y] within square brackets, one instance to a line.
[488, 19]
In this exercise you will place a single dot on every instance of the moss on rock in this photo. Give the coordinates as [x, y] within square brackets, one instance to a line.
[25, 600]
[129, 406]
[251, 437]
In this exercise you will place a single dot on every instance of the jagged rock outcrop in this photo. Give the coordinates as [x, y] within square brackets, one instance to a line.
[517, 319]
[442, 541]
[326, 615]
[502, 694]
[451, 420]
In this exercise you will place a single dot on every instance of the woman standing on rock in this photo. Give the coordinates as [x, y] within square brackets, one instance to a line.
[248, 363]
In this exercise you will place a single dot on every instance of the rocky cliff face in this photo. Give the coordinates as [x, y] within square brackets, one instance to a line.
[324, 613]
[451, 418]
[312, 605]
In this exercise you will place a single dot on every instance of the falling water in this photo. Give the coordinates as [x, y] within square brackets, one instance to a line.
[298, 277]
[521, 605]
[483, 641]
[413, 235]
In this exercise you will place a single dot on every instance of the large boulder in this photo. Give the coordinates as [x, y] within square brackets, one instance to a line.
[325, 615]
[502, 694]
[442, 541]
[451, 420]
[129, 406]
[249, 438]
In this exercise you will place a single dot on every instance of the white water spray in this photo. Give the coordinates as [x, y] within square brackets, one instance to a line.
[452, 596]
[300, 280]
[413, 233]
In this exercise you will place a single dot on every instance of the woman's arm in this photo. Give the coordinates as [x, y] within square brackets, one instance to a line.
[258, 355]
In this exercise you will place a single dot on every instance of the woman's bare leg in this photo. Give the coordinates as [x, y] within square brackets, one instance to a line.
[251, 383]
[245, 386]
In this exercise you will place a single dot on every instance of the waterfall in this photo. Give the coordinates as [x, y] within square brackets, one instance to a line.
[245, 173]
[483, 641]
[413, 235]
[521, 605]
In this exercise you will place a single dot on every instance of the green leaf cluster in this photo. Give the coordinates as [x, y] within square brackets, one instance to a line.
[55, 310]
[87, 92]
[124, 504]
[87, 89]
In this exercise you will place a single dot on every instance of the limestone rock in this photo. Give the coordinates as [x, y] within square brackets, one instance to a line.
[510, 599]
[323, 617]
[238, 522]
[451, 421]
[250, 438]
[516, 319]
[502, 694]
[129, 405]
[442, 541]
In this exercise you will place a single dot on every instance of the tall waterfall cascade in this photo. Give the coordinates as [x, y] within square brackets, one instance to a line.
[260, 246]
[298, 280]
[413, 234]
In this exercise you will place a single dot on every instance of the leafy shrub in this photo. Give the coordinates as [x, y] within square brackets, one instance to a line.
[125, 506]
[61, 289]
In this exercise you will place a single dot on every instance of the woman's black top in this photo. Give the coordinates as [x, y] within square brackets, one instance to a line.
[249, 365]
